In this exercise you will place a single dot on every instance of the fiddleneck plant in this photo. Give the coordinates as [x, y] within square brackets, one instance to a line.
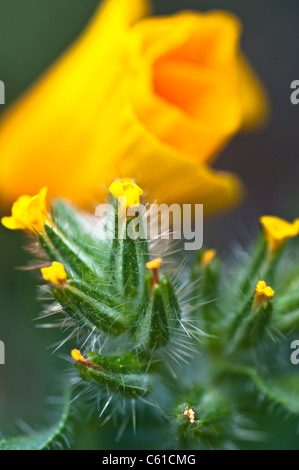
[174, 352]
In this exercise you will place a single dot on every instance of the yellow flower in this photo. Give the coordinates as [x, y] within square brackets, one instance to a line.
[207, 257]
[151, 98]
[154, 266]
[28, 213]
[263, 292]
[125, 188]
[54, 273]
[77, 356]
[277, 230]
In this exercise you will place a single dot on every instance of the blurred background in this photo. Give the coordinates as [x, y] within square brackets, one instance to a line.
[33, 33]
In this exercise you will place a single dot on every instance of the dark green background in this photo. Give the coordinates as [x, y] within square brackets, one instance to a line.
[32, 34]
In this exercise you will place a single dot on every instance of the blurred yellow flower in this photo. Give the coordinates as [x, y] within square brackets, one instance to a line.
[152, 98]
[277, 230]
[263, 292]
[28, 213]
[154, 264]
[207, 257]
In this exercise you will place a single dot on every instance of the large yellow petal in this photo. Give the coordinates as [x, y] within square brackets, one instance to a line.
[158, 169]
[253, 96]
[51, 129]
[191, 86]
[185, 82]
[76, 130]
[210, 39]
[11, 223]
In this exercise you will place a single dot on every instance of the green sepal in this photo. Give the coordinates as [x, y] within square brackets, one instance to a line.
[128, 258]
[58, 248]
[287, 303]
[254, 265]
[171, 302]
[286, 313]
[238, 319]
[287, 323]
[76, 228]
[128, 363]
[153, 330]
[160, 317]
[95, 293]
[270, 265]
[252, 327]
[207, 289]
[132, 385]
[87, 311]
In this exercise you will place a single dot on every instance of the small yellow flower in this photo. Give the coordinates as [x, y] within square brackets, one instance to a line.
[207, 257]
[28, 213]
[263, 292]
[77, 356]
[126, 188]
[54, 273]
[154, 266]
[277, 230]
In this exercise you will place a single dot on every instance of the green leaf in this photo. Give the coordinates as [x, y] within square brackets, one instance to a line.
[49, 438]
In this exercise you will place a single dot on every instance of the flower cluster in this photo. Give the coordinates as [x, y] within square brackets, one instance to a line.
[135, 335]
